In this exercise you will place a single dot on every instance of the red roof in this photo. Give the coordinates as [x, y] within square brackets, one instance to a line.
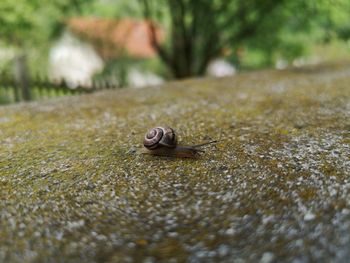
[114, 38]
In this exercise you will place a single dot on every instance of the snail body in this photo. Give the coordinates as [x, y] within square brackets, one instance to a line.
[162, 141]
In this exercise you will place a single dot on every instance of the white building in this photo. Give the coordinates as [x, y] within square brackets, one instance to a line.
[81, 51]
[74, 61]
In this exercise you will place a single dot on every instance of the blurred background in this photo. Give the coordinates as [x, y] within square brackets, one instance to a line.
[51, 48]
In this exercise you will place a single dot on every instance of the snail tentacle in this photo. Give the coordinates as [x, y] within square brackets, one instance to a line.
[204, 144]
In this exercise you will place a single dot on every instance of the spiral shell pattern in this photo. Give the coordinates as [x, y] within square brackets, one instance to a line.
[160, 136]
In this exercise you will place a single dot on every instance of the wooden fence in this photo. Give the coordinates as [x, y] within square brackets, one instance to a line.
[40, 87]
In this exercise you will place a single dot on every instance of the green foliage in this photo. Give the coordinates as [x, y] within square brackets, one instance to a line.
[30, 25]
[201, 30]
[113, 9]
[16, 20]
[197, 30]
[118, 69]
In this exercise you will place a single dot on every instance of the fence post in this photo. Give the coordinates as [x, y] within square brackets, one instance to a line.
[22, 76]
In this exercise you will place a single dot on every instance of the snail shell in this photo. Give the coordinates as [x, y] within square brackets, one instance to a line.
[162, 141]
[160, 137]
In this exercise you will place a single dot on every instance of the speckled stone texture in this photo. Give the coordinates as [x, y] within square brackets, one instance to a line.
[276, 188]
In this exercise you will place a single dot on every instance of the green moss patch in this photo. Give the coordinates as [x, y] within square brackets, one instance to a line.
[75, 188]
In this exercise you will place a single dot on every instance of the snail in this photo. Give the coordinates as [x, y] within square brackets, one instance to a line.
[162, 141]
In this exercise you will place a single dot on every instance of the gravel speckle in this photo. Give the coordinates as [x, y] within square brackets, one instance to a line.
[309, 216]
[267, 257]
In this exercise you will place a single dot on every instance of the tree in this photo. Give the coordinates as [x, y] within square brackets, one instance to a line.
[201, 30]
[29, 22]
[26, 24]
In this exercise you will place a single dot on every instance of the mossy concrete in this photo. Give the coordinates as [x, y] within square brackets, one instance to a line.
[74, 187]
